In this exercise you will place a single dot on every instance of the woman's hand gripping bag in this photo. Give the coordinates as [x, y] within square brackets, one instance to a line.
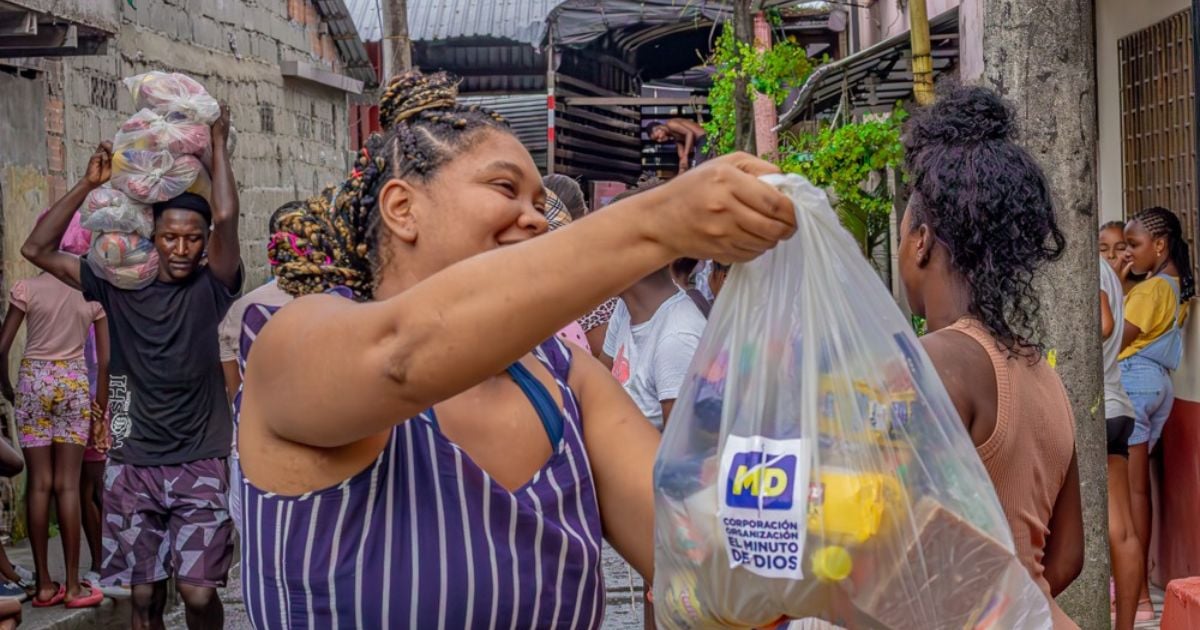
[814, 466]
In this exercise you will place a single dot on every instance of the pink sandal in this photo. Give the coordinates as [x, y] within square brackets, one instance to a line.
[53, 601]
[90, 600]
[1145, 611]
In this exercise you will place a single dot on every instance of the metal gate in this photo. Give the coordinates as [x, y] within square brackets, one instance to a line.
[1157, 118]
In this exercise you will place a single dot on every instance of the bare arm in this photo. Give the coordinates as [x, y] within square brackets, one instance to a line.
[1106, 317]
[103, 351]
[224, 253]
[41, 247]
[8, 333]
[11, 462]
[1064, 547]
[689, 142]
[667, 406]
[233, 378]
[1129, 334]
[621, 445]
[363, 366]
[595, 339]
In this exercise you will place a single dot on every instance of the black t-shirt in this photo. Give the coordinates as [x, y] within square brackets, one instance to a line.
[167, 401]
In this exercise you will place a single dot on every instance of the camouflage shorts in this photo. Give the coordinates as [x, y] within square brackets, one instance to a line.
[161, 521]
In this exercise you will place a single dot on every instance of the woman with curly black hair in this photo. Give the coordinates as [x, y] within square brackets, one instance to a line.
[979, 225]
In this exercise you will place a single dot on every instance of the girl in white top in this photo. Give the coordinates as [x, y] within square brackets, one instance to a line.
[1123, 543]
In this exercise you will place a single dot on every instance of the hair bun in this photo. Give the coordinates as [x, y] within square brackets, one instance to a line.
[413, 92]
[964, 115]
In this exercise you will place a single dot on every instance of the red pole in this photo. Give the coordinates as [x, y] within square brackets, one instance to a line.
[765, 115]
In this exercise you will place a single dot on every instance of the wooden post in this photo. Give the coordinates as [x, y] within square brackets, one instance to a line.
[922, 61]
[743, 111]
[765, 115]
[1042, 57]
[397, 48]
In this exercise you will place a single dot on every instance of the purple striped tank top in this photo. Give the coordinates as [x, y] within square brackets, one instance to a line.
[424, 538]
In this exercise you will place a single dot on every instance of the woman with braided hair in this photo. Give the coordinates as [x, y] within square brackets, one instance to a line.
[427, 454]
[1152, 347]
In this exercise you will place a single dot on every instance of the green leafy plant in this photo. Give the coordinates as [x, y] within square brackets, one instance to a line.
[919, 325]
[851, 161]
[773, 72]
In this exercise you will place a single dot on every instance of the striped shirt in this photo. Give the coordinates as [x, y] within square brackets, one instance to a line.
[445, 544]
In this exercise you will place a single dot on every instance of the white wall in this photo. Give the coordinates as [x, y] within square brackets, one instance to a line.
[885, 19]
[1114, 20]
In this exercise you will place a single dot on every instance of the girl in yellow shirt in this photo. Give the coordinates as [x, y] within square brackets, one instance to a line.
[1152, 346]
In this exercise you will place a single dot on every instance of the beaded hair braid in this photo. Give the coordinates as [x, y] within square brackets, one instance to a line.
[333, 241]
[1162, 223]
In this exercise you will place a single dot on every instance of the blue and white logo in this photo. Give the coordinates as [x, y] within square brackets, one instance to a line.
[760, 480]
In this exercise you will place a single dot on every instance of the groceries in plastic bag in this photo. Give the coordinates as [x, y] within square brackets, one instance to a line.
[173, 133]
[167, 93]
[125, 259]
[814, 466]
[153, 176]
[109, 210]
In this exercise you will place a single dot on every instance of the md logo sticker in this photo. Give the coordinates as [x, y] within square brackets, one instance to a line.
[761, 480]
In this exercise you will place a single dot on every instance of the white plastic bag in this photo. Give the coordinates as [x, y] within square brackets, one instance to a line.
[814, 466]
[109, 210]
[127, 260]
[153, 176]
[174, 133]
[167, 93]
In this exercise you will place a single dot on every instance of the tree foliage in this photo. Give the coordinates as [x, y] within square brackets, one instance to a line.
[773, 72]
[851, 161]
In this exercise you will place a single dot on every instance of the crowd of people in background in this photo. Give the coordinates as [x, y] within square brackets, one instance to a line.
[1146, 284]
[460, 422]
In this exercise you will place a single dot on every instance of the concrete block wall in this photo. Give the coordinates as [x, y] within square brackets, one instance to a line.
[26, 154]
[233, 47]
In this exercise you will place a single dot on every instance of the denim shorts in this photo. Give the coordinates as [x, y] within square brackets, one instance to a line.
[1153, 394]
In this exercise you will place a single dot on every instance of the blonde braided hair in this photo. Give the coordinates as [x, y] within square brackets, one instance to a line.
[332, 241]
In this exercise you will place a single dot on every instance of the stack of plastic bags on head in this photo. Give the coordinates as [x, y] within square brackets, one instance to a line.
[122, 249]
[814, 466]
[158, 154]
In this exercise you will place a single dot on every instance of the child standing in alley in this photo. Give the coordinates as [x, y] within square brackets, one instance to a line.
[53, 409]
[1151, 348]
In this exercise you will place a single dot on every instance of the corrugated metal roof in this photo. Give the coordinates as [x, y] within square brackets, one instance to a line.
[578, 22]
[526, 115]
[876, 78]
[434, 20]
[367, 19]
[345, 36]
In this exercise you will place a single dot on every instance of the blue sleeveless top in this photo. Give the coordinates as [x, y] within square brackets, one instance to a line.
[424, 538]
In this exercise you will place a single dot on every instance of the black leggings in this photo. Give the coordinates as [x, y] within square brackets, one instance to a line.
[1119, 430]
